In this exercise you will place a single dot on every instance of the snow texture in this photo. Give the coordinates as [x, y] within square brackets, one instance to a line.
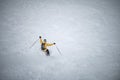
[86, 31]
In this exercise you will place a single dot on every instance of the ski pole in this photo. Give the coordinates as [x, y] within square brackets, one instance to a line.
[58, 50]
[33, 43]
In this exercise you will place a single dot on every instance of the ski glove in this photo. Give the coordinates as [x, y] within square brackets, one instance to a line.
[39, 36]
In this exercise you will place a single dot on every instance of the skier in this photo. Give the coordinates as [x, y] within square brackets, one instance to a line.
[44, 45]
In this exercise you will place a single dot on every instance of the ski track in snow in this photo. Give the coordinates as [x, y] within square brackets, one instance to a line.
[86, 32]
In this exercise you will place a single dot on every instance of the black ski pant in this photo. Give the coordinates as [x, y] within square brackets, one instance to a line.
[47, 51]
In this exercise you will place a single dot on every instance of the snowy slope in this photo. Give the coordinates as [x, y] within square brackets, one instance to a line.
[86, 31]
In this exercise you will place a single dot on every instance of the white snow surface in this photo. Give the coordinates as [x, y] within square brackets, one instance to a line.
[86, 31]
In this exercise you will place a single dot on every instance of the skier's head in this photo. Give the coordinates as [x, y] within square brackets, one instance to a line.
[45, 40]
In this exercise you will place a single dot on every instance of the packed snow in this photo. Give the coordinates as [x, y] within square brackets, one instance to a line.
[87, 32]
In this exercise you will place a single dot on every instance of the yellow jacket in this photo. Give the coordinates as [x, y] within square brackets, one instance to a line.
[46, 44]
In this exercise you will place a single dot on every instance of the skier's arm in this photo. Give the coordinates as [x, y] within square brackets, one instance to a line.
[41, 40]
[48, 44]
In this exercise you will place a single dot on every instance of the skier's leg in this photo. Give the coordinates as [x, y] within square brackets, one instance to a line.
[47, 52]
[41, 48]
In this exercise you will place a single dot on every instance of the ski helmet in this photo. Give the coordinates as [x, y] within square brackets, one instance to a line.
[45, 40]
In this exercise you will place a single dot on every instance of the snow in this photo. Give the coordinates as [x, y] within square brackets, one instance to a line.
[86, 32]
